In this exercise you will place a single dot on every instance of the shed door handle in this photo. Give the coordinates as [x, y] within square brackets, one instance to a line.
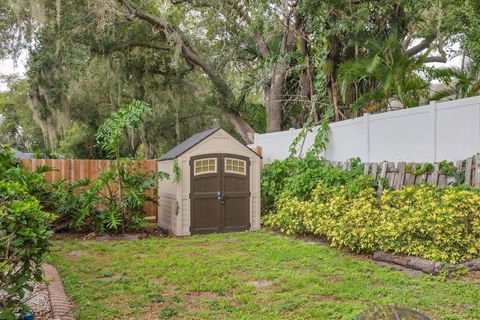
[221, 196]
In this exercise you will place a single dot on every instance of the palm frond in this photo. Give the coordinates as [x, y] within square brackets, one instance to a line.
[442, 94]
[366, 99]
[349, 72]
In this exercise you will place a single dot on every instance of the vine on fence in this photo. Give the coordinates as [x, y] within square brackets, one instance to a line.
[321, 138]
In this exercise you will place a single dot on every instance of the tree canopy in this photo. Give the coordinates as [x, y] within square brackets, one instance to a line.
[248, 66]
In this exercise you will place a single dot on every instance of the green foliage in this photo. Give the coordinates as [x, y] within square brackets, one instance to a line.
[88, 60]
[449, 169]
[458, 83]
[129, 117]
[394, 72]
[34, 182]
[113, 202]
[423, 220]
[125, 183]
[126, 196]
[95, 205]
[421, 169]
[297, 177]
[446, 168]
[17, 127]
[177, 172]
[177, 207]
[78, 142]
[24, 233]
[321, 137]
[76, 204]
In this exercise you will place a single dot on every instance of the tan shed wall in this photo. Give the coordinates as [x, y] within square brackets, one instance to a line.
[167, 192]
[183, 195]
[219, 142]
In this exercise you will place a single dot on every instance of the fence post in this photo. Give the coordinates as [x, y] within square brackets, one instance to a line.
[433, 123]
[366, 120]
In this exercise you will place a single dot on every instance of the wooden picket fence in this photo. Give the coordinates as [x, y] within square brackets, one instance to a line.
[73, 170]
[403, 173]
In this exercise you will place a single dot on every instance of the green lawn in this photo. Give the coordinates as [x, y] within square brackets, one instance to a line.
[243, 276]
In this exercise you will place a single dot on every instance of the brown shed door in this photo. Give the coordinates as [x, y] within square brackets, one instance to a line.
[220, 193]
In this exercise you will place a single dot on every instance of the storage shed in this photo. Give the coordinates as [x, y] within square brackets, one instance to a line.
[214, 185]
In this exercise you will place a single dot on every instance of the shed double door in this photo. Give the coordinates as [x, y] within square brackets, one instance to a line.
[220, 193]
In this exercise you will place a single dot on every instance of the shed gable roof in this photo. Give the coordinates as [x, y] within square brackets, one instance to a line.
[187, 144]
[193, 141]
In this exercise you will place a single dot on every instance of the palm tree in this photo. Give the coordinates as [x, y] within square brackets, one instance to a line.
[384, 74]
[459, 82]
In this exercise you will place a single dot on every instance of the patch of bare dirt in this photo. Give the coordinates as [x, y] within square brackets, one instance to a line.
[77, 253]
[473, 276]
[193, 300]
[111, 277]
[192, 254]
[333, 278]
[260, 284]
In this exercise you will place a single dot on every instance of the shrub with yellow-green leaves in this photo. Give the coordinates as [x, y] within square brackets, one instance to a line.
[441, 224]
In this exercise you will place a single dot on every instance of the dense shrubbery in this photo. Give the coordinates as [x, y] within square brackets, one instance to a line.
[297, 177]
[101, 205]
[441, 224]
[98, 205]
[24, 232]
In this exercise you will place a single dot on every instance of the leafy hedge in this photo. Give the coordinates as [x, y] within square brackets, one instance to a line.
[24, 233]
[441, 224]
[297, 177]
[112, 203]
[100, 205]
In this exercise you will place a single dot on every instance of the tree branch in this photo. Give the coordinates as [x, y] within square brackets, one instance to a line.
[425, 44]
[438, 58]
[259, 41]
[190, 54]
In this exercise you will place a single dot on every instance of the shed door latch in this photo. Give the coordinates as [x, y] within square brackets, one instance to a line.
[221, 196]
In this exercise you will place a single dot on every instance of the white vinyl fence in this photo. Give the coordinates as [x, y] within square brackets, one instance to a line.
[438, 131]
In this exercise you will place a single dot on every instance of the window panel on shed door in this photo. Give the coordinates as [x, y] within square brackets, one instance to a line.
[203, 166]
[237, 166]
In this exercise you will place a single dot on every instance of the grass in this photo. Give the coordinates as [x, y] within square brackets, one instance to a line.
[243, 276]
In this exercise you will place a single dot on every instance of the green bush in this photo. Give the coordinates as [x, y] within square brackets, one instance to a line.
[125, 196]
[126, 200]
[24, 237]
[34, 181]
[24, 233]
[113, 202]
[297, 177]
[76, 204]
[441, 224]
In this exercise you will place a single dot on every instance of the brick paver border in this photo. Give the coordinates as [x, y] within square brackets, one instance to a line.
[62, 309]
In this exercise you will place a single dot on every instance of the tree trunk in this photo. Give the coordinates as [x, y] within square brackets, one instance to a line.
[148, 149]
[274, 98]
[306, 76]
[416, 263]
